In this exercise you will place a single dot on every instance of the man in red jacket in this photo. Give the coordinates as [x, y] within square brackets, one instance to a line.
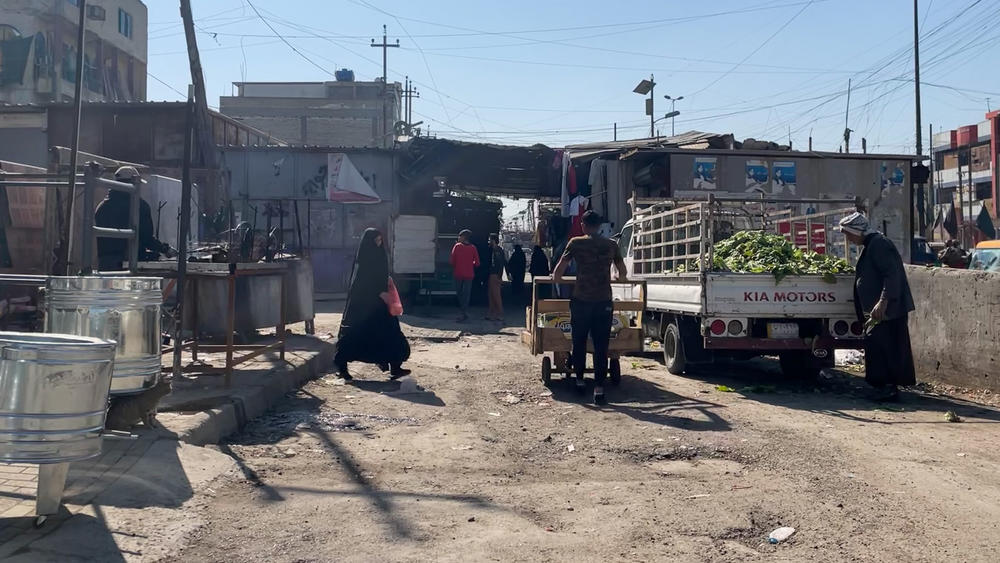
[464, 261]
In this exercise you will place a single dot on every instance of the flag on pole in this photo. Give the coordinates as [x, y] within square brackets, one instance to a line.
[985, 223]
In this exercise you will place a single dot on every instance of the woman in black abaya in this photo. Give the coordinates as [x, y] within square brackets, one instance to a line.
[368, 333]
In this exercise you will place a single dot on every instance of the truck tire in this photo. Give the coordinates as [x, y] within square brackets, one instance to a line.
[673, 349]
[801, 364]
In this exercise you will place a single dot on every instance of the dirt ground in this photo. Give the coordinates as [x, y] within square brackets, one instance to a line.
[472, 458]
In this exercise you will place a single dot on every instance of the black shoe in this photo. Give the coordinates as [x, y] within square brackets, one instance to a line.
[343, 373]
[599, 398]
[399, 371]
[581, 385]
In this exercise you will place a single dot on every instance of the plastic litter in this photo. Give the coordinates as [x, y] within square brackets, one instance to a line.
[781, 534]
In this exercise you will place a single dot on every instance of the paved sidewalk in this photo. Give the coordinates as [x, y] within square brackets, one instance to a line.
[156, 473]
[85, 481]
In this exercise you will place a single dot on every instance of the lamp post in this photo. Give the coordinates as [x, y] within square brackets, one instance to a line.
[643, 88]
[672, 102]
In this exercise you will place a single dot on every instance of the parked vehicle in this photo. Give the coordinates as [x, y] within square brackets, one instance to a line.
[986, 256]
[921, 253]
[696, 315]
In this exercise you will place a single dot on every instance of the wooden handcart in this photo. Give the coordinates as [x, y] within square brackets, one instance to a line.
[555, 339]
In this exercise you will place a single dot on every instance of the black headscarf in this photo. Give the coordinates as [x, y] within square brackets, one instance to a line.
[369, 279]
[539, 262]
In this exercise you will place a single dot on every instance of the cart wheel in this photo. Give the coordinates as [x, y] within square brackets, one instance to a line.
[40, 521]
[547, 370]
[615, 371]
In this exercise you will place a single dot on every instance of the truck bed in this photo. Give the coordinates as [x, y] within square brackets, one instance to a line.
[751, 295]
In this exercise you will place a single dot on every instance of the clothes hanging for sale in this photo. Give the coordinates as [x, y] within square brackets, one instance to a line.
[598, 187]
[565, 193]
[577, 208]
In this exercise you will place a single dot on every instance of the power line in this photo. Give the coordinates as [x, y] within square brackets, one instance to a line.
[285, 41]
[754, 52]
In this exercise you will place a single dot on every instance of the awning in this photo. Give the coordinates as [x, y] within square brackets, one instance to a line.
[478, 167]
[345, 184]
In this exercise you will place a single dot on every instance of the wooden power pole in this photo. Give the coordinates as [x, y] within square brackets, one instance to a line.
[203, 126]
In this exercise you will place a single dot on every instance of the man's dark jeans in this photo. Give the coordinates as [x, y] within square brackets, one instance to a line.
[591, 318]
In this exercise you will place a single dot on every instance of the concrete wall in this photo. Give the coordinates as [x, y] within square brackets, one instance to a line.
[955, 331]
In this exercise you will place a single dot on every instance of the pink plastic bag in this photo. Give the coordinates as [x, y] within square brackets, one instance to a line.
[392, 300]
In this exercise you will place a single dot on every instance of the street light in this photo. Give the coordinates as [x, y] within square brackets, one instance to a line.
[643, 88]
[672, 102]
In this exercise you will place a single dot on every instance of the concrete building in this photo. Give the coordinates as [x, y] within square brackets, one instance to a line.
[38, 40]
[344, 113]
[965, 175]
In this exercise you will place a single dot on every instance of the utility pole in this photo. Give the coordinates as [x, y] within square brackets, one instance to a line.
[847, 114]
[652, 85]
[961, 204]
[74, 154]
[409, 92]
[203, 126]
[616, 131]
[916, 75]
[385, 46]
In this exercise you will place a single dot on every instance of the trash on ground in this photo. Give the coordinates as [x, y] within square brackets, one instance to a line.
[725, 389]
[511, 399]
[950, 416]
[570, 448]
[962, 454]
[493, 413]
[781, 534]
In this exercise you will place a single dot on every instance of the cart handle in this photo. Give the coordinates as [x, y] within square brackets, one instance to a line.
[570, 280]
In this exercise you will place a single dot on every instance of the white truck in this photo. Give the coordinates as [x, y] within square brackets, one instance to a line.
[696, 315]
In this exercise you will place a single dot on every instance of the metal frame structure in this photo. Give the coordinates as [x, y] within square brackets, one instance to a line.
[91, 181]
[194, 345]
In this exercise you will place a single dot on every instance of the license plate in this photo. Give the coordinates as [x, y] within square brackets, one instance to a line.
[782, 330]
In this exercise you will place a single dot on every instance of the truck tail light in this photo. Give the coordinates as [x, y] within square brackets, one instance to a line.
[840, 328]
[718, 327]
[735, 328]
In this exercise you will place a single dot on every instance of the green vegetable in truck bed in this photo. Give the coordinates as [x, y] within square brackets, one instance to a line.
[755, 252]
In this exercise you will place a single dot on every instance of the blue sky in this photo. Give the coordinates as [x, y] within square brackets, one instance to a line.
[562, 72]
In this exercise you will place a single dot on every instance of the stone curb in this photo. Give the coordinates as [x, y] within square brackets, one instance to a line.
[210, 426]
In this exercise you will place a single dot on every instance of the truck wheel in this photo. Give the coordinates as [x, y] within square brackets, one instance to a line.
[673, 349]
[800, 364]
[546, 370]
[615, 371]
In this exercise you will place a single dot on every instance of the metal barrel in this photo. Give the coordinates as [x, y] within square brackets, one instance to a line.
[53, 396]
[123, 309]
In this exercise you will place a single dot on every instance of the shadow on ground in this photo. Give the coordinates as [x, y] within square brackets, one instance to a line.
[302, 413]
[646, 401]
[837, 393]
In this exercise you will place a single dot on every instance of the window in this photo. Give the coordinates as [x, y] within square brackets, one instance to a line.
[124, 23]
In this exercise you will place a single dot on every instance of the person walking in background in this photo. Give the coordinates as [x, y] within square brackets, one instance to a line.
[498, 260]
[368, 332]
[883, 302]
[540, 267]
[591, 307]
[464, 261]
[515, 269]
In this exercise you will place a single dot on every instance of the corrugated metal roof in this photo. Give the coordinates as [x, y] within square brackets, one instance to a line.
[690, 139]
